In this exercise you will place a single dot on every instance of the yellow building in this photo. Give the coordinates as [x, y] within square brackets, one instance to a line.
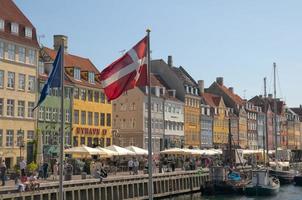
[91, 112]
[18, 69]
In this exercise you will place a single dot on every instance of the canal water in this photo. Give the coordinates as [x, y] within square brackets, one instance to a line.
[287, 192]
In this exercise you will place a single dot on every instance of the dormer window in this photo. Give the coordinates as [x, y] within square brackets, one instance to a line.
[1, 24]
[15, 28]
[91, 77]
[28, 32]
[77, 74]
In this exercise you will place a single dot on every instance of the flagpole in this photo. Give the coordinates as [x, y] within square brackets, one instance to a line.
[150, 185]
[61, 189]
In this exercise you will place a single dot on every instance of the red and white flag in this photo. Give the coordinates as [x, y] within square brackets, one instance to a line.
[126, 72]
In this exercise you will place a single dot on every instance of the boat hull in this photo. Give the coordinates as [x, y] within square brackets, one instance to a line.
[261, 191]
[283, 176]
[298, 180]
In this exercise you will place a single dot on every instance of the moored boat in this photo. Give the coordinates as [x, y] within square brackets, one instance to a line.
[262, 184]
[298, 180]
[282, 171]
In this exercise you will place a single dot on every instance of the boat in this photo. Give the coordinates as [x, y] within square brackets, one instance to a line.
[262, 184]
[298, 180]
[282, 171]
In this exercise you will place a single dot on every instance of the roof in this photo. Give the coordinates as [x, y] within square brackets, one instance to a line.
[211, 99]
[9, 12]
[260, 101]
[298, 110]
[76, 61]
[184, 76]
[236, 98]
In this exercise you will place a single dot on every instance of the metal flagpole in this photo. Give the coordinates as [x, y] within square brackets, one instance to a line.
[61, 190]
[150, 185]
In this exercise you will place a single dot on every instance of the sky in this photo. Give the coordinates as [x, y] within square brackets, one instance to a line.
[236, 39]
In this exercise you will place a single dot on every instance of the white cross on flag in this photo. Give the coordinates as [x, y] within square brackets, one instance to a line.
[126, 72]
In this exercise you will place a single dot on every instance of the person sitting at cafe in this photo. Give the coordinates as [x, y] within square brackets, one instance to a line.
[33, 182]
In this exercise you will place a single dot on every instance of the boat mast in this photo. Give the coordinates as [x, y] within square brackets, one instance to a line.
[265, 146]
[275, 113]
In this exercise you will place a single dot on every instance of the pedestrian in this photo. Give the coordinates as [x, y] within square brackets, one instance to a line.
[93, 169]
[40, 174]
[130, 165]
[22, 165]
[45, 170]
[3, 172]
[135, 167]
[55, 169]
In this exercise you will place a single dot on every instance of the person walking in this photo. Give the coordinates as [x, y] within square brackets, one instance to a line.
[3, 172]
[130, 165]
[93, 169]
[22, 166]
[45, 170]
[55, 169]
[135, 167]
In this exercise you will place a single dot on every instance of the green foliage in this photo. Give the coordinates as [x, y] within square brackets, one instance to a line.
[32, 167]
[17, 169]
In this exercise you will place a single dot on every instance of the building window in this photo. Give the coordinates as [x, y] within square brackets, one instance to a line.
[96, 119]
[108, 119]
[75, 141]
[9, 138]
[21, 54]
[31, 83]
[76, 116]
[31, 56]
[1, 107]
[91, 77]
[102, 97]
[76, 93]
[54, 114]
[102, 119]
[41, 67]
[83, 94]
[28, 32]
[1, 78]
[30, 135]
[1, 137]
[41, 113]
[10, 79]
[21, 108]
[10, 107]
[67, 115]
[1, 24]
[96, 96]
[83, 117]
[11, 51]
[15, 28]
[21, 82]
[1, 49]
[77, 74]
[108, 142]
[20, 137]
[90, 95]
[89, 118]
[47, 114]
[82, 140]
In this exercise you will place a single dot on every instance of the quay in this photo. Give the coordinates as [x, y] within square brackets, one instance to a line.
[115, 187]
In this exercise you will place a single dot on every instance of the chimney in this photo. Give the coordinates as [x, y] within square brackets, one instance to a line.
[219, 80]
[170, 61]
[201, 86]
[231, 89]
[59, 40]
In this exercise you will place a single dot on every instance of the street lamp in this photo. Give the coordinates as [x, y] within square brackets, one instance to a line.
[21, 140]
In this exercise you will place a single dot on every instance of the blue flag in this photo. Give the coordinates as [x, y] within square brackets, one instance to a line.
[54, 79]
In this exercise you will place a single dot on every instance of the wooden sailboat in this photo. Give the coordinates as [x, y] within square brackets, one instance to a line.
[279, 169]
[262, 183]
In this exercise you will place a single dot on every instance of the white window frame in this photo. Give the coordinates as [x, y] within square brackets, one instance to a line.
[15, 28]
[1, 24]
[21, 54]
[21, 109]
[22, 80]
[11, 54]
[9, 138]
[30, 112]
[31, 83]
[2, 49]
[47, 114]
[77, 73]
[28, 32]
[32, 56]
[10, 107]
[91, 77]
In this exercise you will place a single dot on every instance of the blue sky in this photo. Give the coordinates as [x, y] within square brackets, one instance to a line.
[236, 39]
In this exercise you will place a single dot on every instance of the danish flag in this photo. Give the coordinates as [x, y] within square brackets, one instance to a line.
[126, 72]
